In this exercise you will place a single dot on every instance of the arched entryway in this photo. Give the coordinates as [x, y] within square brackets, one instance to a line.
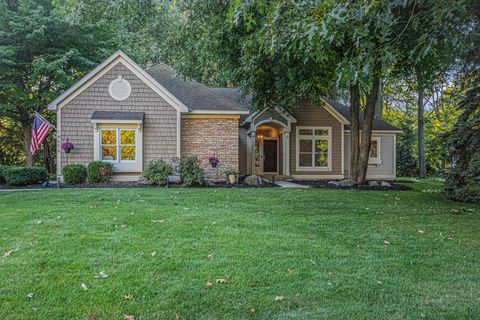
[268, 146]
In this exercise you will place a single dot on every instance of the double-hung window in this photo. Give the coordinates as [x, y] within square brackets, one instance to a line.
[314, 148]
[118, 145]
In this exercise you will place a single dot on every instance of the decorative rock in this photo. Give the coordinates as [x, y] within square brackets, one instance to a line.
[373, 183]
[335, 183]
[347, 183]
[210, 183]
[385, 184]
[142, 180]
[254, 180]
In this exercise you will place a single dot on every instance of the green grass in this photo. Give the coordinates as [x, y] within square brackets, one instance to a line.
[333, 240]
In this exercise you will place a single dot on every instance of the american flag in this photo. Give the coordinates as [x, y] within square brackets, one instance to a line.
[40, 130]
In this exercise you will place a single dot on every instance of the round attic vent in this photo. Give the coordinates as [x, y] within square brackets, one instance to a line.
[119, 89]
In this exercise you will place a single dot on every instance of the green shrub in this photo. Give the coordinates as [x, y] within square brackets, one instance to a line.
[157, 171]
[190, 171]
[99, 171]
[22, 176]
[2, 169]
[74, 173]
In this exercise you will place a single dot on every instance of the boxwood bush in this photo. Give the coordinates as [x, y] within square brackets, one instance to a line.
[22, 176]
[190, 171]
[157, 171]
[2, 169]
[74, 173]
[99, 171]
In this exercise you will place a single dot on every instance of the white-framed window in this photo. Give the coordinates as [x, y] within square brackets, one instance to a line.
[118, 145]
[375, 144]
[314, 148]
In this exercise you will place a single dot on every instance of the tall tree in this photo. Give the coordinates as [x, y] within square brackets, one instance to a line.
[41, 55]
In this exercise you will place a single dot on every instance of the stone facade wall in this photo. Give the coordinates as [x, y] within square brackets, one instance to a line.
[205, 136]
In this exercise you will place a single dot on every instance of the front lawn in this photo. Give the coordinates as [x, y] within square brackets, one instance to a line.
[282, 254]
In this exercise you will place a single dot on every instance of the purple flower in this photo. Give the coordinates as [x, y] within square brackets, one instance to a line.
[67, 145]
[213, 160]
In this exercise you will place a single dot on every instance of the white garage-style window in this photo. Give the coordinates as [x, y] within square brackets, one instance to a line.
[375, 144]
[314, 148]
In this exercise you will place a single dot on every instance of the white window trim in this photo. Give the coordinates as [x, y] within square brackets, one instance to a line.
[297, 149]
[121, 165]
[378, 159]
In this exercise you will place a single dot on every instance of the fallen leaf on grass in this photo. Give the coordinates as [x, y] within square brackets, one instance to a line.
[7, 254]
[290, 270]
[386, 242]
[279, 298]
[158, 221]
[128, 296]
[84, 287]
[329, 283]
[221, 281]
[209, 284]
[177, 317]
[420, 231]
[128, 317]
[153, 253]
[211, 256]
[30, 295]
[309, 237]
[252, 312]
[102, 274]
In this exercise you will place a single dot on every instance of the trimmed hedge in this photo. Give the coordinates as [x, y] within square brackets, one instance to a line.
[157, 172]
[22, 176]
[99, 171]
[2, 169]
[74, 173]
[190, 171]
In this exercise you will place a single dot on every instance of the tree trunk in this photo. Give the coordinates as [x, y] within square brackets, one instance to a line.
[354, 130]
[422, 171]
[367, 125]
[27, 138]
[379, 103]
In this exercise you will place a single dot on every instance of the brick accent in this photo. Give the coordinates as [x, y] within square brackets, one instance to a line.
[206, 136]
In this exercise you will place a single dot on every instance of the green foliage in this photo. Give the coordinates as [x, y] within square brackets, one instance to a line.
[157, 172]
[99, 172]
[190, 171]
[22, 176]
[74, 173]
[231, 172]
[407, 164]
[2, 170]
[463, 179]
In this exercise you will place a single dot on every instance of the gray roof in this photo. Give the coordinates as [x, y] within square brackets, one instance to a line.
[116, 115]
[193, 94]
[345, 112]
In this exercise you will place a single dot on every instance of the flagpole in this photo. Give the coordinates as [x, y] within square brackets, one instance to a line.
[38, 114]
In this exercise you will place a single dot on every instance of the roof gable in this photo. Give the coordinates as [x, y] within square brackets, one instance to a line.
[104, 67]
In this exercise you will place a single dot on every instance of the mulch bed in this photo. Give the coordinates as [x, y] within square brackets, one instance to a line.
[395, 186]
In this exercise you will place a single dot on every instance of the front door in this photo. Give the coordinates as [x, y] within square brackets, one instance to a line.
[269, 155]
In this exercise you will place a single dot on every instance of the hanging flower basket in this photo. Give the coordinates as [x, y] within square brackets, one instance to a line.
[67, 146]
[213, 161]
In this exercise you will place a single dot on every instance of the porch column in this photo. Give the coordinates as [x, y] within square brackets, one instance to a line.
[286, 153]
[250, 151]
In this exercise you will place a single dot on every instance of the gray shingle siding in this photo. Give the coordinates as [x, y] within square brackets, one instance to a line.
[159, 126]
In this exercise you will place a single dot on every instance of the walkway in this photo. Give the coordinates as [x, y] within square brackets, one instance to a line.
[287, 184]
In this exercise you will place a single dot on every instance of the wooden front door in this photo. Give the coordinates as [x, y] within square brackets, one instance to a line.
[270, 155]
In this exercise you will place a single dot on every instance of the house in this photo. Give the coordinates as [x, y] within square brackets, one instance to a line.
[129, 116]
